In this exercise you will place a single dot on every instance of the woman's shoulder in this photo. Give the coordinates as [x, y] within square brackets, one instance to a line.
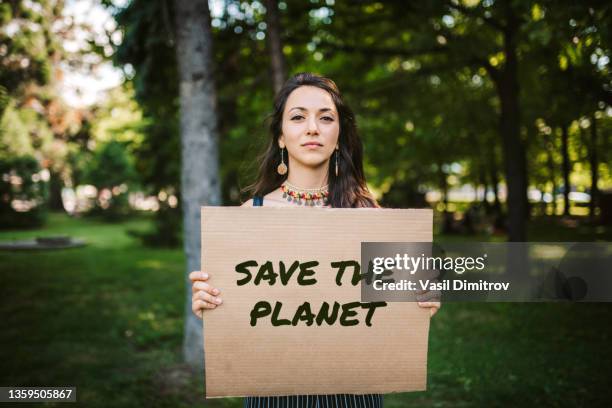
[272, 199]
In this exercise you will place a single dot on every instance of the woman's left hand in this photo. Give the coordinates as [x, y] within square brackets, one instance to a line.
[430, 300]
[433, 306]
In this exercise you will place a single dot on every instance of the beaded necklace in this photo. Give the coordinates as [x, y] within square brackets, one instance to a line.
[305, 196]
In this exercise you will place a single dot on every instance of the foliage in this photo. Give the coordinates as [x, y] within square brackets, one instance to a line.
[421, 78]
[23, 193]
[24, 57]
[110, 171]
[148, 48]
[34, 119]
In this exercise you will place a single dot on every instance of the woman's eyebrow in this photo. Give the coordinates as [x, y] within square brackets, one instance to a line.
[306, 110]
[326, 110]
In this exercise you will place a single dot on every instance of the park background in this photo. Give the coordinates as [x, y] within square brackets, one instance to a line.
[495, 113]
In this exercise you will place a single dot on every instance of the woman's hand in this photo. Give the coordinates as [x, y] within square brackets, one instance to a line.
[430, 300]
[204, 296]
[433, 306]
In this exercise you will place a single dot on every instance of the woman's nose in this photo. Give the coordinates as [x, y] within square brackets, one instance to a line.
[313, 128]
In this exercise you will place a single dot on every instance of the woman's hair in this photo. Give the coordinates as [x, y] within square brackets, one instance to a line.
[346, 190]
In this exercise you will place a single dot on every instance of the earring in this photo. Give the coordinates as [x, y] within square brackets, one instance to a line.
[282, 167]
[337, 151]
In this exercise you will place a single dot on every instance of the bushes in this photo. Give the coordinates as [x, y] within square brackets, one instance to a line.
[166, 231]
[23, 193]
[111, 171]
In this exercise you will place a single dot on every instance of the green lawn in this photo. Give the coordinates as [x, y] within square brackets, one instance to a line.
[108, 318]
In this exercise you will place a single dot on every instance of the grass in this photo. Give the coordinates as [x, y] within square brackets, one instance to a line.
[108, 318]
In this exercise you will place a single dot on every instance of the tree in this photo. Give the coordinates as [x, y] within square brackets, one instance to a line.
[275, 45]
[23, 193]
[149, 49]
[110, 171]
[451, 35]
[199, 144]
[593, 165]
[29, 47]
[34, 119]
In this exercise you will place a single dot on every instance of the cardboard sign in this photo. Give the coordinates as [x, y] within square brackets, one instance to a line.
[291, 321]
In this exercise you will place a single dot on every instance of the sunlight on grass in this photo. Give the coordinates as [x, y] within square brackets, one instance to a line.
[544, 252]
[151, 263]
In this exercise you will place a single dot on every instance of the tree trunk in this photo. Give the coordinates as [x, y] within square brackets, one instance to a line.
[494, 182]
[444, 187]
[594, 163]
[275, 45]
[199, 146]
[543, 204]
[551, 171]
[485, 187]
[530, 136]
[55, 192]
[566, 169]
[513, 148]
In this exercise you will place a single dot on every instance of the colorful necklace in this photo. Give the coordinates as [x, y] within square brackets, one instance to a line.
[311, 197]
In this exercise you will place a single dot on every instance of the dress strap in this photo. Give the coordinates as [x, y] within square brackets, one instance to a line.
[257, 201]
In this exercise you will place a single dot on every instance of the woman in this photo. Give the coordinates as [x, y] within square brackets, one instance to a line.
[314, 158]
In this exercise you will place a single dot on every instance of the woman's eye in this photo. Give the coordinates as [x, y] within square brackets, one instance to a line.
[297, 117]
[328, 118]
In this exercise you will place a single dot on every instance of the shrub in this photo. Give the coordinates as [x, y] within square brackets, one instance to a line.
[23, 193]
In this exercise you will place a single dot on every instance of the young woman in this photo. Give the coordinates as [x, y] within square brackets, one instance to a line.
[314, 159]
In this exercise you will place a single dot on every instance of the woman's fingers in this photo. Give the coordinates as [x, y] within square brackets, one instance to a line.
[201, 295]
[430, 295]
[198, 306]
[199, 285]
[202, 300]
[204, 296]
[198, 278]
[198, 275]
[433, 306]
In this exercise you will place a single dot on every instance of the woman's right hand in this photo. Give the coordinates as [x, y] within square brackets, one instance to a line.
[204, 296]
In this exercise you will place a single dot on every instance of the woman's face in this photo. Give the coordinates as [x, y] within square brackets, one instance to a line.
[310, 127]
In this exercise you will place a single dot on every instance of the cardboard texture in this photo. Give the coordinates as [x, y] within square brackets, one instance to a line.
[265, 360]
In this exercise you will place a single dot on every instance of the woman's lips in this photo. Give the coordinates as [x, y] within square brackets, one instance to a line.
[312, 145]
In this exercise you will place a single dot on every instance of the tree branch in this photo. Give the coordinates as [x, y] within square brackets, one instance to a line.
[473, 13]
[382, 51]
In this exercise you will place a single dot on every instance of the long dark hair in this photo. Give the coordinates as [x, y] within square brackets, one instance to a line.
[349, 188]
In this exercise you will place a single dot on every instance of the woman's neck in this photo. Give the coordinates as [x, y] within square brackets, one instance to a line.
[307, 177]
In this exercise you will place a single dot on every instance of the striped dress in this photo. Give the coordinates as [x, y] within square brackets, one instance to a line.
[313, 401]
[316, 401]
